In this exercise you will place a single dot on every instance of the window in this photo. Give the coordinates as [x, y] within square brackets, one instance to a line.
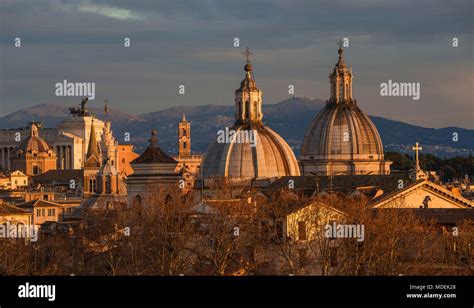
[184, 132]
[16, 182]
[341, 91]
[302, 230]
[38, 212]
[45, 197]
[138, 200]
[92, 185]
[184, 145]
[42, 212]
[35, 170]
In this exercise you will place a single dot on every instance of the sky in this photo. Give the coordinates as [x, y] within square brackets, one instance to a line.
[191, 43]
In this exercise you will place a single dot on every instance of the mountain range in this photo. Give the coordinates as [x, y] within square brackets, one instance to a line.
[289, 118]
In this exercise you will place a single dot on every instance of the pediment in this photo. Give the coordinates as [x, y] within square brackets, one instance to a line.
[424, 195]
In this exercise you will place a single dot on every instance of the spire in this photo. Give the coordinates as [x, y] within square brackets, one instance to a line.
[184, 118]
[93, 149]
[248, 98]
[340, 51]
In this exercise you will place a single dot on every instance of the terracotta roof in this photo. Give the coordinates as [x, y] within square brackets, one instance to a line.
[38, 203]
[339, 183]
[440, 216]
[59, 176]
[395, 190]
[6, 209]
[153, 154]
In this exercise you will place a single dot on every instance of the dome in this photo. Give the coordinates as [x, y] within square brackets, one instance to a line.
[34, 143]
[342, 139]
[254, 150]
[341, 131]
[153, 154]
[270, 156]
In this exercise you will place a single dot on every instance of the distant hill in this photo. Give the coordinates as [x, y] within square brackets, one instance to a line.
[289, 118]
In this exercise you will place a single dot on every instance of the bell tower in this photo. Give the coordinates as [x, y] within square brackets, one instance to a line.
[184, 138]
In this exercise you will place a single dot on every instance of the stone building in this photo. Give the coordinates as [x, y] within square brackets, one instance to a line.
[33, 156]
[152, 168]
[342, 139]
[252, 150]
[70, 141]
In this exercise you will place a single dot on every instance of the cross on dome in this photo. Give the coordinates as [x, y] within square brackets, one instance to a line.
[247, 53]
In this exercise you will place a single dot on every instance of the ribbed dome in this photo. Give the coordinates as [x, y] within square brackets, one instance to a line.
[34, 143]
[256, 151]
[270, 157]
[342, 139]
[341, 131]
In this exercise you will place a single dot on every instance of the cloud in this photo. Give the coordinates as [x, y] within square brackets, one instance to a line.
[100, 9]
[191, 42]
